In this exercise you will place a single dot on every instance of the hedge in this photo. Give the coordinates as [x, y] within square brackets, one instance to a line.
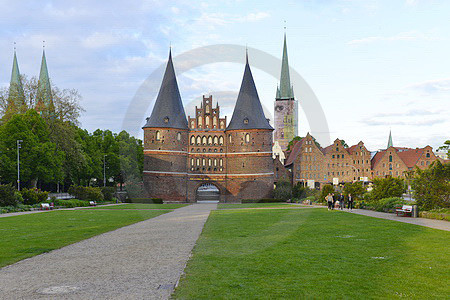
[87, 193]
[146, 200]
[264, 200]
[70, 203]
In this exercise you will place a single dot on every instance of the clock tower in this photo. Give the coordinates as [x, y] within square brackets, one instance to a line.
[286, 107]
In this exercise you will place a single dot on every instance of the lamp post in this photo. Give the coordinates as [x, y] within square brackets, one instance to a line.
[18, 163]
[104, 170]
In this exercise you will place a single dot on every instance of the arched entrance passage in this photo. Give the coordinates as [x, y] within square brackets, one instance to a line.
[207, 193]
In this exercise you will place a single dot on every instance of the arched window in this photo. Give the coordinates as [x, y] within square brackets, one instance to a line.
[390, 166]
[428, 155]
[216, 141]
[199, 122]
[207, 122]
[229, 138]
[203, 162]
[192, 162]
[221, 162]
[215, 162]
[221, 140]
[158, 135]
[178, 136]
[198, 161]
[207, 110]
[210, 140]
[204, 140]
[215, 122]
[210, 162]
[247, 137]
[199, 140]
[192, 140]
[192, 124]
[222, 125]
[390, 158]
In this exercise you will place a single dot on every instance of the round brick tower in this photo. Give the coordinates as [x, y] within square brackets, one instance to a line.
[249, 146]
[165, 143]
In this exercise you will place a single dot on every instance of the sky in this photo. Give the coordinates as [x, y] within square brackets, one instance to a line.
[374, 66]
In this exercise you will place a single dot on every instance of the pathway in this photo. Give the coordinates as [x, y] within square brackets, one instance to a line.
[437, 224]
[141, 261]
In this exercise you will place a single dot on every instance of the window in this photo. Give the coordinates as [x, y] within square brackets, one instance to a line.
[203, 162]
[215, 162]
[332, 156]
[178, 136]
[192, 140]
[428, 155]
[390, 166]
[158, 135]
[221, 140]
[210, 162]
[221, 162]
[390, 158]
[204, 140]
[199, 140]
[210, 140]
[207, 110]
[428, 163]
[199, 121]
[192, 124]
[342, 155]
[337, 156]
[215, 140]
[207, 121]
[247, 137]
[245, 121]
[215, 122]
[229, 138]
[192, 162]
[198, 161]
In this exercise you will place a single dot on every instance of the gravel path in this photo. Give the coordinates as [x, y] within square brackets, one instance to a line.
[140, 261]
[437, 224]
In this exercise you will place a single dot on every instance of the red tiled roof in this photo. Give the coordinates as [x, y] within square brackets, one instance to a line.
[377, 158]
[326, 150]
[295, 151]
[410, 156]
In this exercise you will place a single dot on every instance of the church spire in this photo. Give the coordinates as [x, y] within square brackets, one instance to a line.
[286, 90]
[248, 112]
[44, 99]
[390, 144]
[16, 94]
[168, 110]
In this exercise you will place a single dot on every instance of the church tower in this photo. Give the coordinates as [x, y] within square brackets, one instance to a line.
[286, 107]
[16, 97]
[249, 146]
[44, 98]
[166, 142]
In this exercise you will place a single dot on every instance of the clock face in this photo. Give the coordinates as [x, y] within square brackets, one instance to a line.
[279, 108]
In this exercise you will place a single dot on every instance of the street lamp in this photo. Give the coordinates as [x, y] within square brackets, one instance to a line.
[18, 163]
[104, 170]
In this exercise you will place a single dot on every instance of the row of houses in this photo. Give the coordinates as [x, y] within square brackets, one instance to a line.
[309, 164]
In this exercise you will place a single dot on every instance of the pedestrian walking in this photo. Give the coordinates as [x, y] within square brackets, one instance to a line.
[341, 201]
[329, 200]
[334, 201]
[350, 202]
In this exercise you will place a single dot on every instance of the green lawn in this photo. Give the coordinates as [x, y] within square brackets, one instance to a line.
[29, 235]
[252, 205]
[315, 254]
[141, 206]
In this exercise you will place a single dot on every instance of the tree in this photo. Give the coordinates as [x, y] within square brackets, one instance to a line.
[446, 147]
[327, 189]
[432, 186]
[40, 159]
[356, 189]
[387, 188]
[283, 190]
[291, 143]
[344, 144]
[66, 101]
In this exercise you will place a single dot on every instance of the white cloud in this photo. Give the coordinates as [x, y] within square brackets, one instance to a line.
[404, 36]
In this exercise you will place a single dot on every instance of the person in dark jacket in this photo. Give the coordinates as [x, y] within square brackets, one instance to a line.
[341, 201]
[335, 198]
[350, 202]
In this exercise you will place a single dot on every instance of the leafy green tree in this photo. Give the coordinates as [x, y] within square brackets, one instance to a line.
[446, 147]
[344, 144]
[291, 143]
[432, 186]
[387, 188]
[327, 189]
[40, 159]
[356, 189]
[283, 190]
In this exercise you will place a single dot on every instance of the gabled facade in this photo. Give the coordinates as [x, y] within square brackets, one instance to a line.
[182, 156]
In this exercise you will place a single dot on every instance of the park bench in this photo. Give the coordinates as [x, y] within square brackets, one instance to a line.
[92, 203]
[46, 206]
[404, 211]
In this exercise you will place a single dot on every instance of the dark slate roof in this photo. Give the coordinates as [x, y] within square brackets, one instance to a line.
[248, 112]
[168, 110]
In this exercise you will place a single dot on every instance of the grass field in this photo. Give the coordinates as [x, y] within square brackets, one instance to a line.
[315, 254]
[252, 205]
[141, 206]
[29, 235]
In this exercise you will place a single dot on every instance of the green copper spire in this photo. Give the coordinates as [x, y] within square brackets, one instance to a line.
[390, 144]
[16, 93]
[44, 98]
[286, 90]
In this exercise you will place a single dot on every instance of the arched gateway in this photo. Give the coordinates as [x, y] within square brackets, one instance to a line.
[207, 192]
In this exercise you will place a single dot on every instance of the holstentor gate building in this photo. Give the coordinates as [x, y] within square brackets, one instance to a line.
[181, 154]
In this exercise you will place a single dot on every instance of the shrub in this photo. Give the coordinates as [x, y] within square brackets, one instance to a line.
[432, 186]
[86, 193]
[283, 190]
[8, 195]
[146, 200]
[108, 192]
[71, 203]
[33, 196]
[389, 204]
[387, 188]
[356, 189]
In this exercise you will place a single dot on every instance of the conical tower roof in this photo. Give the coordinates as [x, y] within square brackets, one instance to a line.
[390, 144]
[286, 90]
[248, 112]
[168, 110]
[44, 92]
[16, 93]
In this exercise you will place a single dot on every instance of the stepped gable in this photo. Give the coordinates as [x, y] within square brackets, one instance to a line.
[168, 111]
